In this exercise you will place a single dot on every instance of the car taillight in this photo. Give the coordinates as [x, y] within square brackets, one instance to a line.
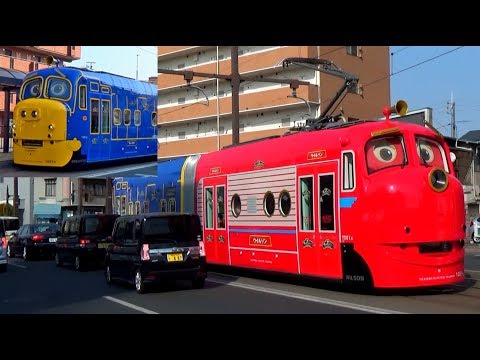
[4, 242]
[144, 255]
[38, 237]
[84, 241]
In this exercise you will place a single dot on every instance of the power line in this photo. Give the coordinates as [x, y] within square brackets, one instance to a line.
[138, 47]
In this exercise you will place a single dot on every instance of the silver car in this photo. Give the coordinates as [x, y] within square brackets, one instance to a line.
[475, 230]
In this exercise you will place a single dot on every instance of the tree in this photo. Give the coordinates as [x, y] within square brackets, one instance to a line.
[6, 210]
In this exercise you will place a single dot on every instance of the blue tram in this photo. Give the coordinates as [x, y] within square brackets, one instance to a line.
[69, 115]
[136, 195]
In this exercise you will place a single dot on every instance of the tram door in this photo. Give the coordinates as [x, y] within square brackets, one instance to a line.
[215, 220]
[317, 220]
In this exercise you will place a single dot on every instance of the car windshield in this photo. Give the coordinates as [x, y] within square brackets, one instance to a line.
[101, 225]
[175, 229]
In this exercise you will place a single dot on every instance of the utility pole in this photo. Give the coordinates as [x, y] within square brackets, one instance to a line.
[235, 83]
[451, 111]
[136, 76]
[235, 78]
[108, 200]
[15, 196]
[80, 196]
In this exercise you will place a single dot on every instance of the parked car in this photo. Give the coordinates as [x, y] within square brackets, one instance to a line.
[149, 248]
[83, 240]
[33, 240]
[9, 225]
[475, 230]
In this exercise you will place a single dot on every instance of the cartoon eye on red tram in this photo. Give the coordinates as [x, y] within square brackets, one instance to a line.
[354, 202]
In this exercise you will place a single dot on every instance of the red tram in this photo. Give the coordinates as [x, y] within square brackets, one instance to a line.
[369, 202]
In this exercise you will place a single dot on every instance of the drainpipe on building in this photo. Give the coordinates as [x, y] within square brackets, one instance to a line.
[218, 105]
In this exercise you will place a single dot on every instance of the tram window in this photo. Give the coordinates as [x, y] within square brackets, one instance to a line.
[105, 117]
[32, 88]
[306, 210]
[127, 117]
[105, 89]
[123, 205]
[117, 117]
[154, 119]
[284, 203]
[145, 207]
[163, 205]
[209, 208]
[137, 117]
[137, 207]
[94, 87]
[220, 207]
[327, 202]
[269, 204]
[130, 208]
[236, 205]
[117, 205]
[172, 205]
[94, 109]
[82, 97]
[58, 88]
[348, 171]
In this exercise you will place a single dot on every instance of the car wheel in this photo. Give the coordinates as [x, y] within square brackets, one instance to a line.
[198, 283]
[476, 240]
[10, 253]
[58, 260]
[108, 275]
[78, 263]
[139, 284]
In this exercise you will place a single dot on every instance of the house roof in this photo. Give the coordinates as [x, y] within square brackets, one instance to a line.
[472, 136]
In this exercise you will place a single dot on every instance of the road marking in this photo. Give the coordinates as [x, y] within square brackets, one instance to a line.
[117, 170]
[132, 306]
[316, 299]
[475, 271]
[20, 266]
[476, 255]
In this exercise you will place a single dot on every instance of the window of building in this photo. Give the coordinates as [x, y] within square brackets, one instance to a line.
[181, 134]
[181, 100]
[357, 89]
[286, 122]
[354, 50]
[50, 187]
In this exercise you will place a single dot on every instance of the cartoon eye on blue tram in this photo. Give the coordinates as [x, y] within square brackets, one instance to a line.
[137, 195]
[69, 115]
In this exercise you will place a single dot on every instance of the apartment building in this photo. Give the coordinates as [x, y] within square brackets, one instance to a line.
[58, 198]
[30, 58]
[197, 118]
[25, 196]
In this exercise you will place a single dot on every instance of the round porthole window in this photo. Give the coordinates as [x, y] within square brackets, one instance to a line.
[236, 205]
[269, 204]
[284, 203]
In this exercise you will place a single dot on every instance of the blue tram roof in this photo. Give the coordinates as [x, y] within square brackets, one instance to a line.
[170, 170]
[106, 78]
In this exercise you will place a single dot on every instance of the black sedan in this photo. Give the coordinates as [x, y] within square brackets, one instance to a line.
[34, 240]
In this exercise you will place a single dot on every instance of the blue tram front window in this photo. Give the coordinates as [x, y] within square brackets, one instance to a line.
[58, 88]
[32, 88]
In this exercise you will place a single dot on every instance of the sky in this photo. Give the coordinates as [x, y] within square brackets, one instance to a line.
[121, 60]
[432, 83]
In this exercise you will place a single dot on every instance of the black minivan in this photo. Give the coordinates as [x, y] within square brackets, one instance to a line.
[149, 248]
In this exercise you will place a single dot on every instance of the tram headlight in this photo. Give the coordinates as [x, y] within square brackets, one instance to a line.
[23, 113]
[34, 113]
[51, 127]
[438, 180]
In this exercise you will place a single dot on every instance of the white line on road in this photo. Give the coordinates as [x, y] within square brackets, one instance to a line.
[20, 266]
[316, 299]
[475, 271]
[476, 255]
[132, 306]
[117, 170]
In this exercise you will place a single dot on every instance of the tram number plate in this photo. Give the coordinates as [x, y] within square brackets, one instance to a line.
[175, 257]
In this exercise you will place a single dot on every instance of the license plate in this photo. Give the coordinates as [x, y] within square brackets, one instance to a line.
[52, 239]
[102, 245]
[175, 257]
